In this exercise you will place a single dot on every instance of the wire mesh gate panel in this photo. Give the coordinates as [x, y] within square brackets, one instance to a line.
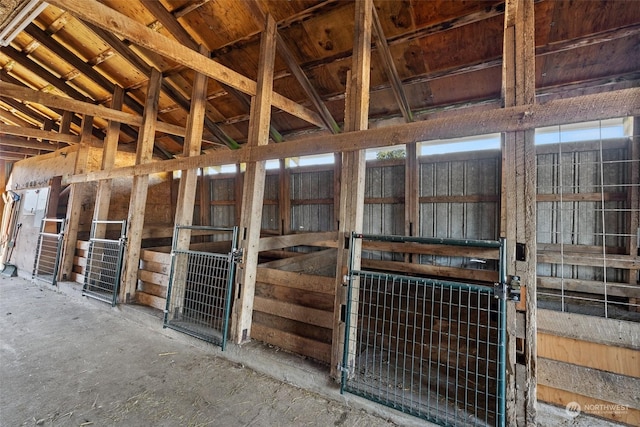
[104, 264]
[47, 261]
[199, 293]
[431, 348]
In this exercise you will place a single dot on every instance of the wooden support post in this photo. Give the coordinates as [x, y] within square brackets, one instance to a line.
[139, 189]
[353, 167]
[76, 197]
[192, 146]
[189, 177]
[109, 150]
[253, 192]
[3, 184]
[518, 207]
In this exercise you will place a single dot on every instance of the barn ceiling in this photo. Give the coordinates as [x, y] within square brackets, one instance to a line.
[445, 56]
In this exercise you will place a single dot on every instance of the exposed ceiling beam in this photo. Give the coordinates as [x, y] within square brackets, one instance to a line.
[10, 156]
[15, 141]
[390, 68]
[105, 17]
[171, 24]
[35, 113]
[66, 55]
[285, 52]
[189, 7]
[38, 133]
[622, 103]
[589, 40]
[42, 73]
[142, 66]
[15, 119]
[25, 94]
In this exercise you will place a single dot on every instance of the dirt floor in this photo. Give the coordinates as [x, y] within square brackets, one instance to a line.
[66, 360]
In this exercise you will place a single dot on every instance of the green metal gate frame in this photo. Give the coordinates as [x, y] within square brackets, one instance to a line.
[44, 262]
[357, 378]
[199, 265]
[104, 264]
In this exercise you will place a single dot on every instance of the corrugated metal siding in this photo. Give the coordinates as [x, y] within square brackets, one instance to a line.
[581, 222]
[270, 211]
[476, 219]
[471, 220]
[310, 186]
[223, 189]
[384, 182]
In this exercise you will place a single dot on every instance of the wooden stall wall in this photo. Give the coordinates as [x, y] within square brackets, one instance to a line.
[153, 278]
[590, 361]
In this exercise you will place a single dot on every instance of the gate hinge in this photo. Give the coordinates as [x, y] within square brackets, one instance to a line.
[342, 368]
[236, 255]
[508, 291]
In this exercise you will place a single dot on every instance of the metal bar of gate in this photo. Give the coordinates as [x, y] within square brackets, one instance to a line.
[432, 348]
[200, 287]
[47, 260]
[104, 264]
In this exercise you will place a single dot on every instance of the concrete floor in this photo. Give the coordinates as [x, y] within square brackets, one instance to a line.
[70, 361]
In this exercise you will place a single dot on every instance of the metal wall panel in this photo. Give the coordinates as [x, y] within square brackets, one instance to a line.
[312, 185]
[469, 220]
[223, 189]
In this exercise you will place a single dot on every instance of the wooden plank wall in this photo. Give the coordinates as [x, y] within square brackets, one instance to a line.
[592, 361]
[153, 278]
[80, 261]
[459, 197]
[294, 311]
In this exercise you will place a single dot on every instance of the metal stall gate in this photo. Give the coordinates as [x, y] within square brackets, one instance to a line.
[48, 251]
[200, 283]
[104, 263]
[431, 348]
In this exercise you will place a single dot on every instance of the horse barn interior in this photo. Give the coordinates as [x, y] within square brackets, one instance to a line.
[437, 200]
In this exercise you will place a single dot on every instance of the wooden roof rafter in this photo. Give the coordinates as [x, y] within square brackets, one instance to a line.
[103, 16]
[259, 17]
[390, 68]
[66, 55]
[138, 63]
[86, 108]
[171, 24]
[21, 142]
[27, 108]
